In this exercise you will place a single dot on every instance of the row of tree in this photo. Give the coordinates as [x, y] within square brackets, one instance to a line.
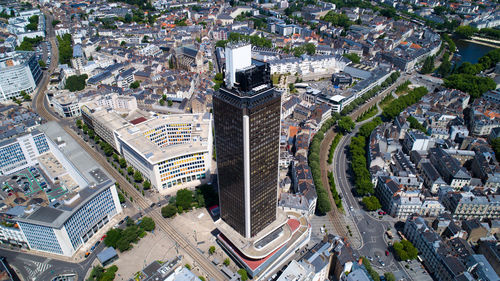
[371, 93]
[335, 142]
[428, 65]
[65, 48]
[396, 106]
[323, 203]
[29, 44]
[362, 177]
[414, 124]
[372, 111]
[336, 197]
[255, 40]
[403, 88]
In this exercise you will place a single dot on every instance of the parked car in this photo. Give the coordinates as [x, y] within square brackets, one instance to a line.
[386, 252]
[87, 254]
[104, 236]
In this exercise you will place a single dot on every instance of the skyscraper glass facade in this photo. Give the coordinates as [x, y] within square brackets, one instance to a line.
[247, 128]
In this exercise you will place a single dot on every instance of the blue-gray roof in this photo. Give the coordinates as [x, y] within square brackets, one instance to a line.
[77, 51]
[107, 254]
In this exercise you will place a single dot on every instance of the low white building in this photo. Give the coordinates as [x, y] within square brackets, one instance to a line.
[322, 64]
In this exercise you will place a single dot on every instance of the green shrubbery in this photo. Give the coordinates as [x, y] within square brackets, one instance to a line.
[398, 105]
[186, 199]
[367, 114]
[76, 82]
[122, 239]
[99, 273]
[405, 250]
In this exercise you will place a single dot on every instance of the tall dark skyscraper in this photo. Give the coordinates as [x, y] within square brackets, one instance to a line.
[247, 113]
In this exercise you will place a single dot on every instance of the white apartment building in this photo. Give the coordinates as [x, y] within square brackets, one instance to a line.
[65, 104]
[171, 151]
[22, 151]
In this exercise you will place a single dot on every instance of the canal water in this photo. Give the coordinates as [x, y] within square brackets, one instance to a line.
[470, 52]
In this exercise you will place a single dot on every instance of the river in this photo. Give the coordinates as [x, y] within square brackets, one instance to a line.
[471, 52]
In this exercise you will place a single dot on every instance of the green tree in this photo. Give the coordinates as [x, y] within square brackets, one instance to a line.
[389, 276]
[371, 203]
[170, 103]
[55, 22]
[121, 197]
[137, 176]
[123, 43]
[310, 48]
[465, 31]
[33, 23]
[337, 19]
[226, 262]
[428, 65]
[243, 273]
[42, 63]
[184, 198]
[168, 211]
[112, 237]
[76, 82]
[405, 250]
[96, 273]
[211, 250]
[122, 162]
[79, 123]
[473, 85]
[130, 170]
[353, 57]
[323, 205]
[146, 185]
[135, 85]
[346, 124]
[65, 48]
[147, 224]
[495, 144]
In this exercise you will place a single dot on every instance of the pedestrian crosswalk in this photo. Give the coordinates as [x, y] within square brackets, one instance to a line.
[39, 267]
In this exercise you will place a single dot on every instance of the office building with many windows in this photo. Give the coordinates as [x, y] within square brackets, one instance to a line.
[20, 152]
[19, 71]
[247, 112]
[67, 196]
[171, 151]
[258, 235]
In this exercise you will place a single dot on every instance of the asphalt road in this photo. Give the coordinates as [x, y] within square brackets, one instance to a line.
[371, 229]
